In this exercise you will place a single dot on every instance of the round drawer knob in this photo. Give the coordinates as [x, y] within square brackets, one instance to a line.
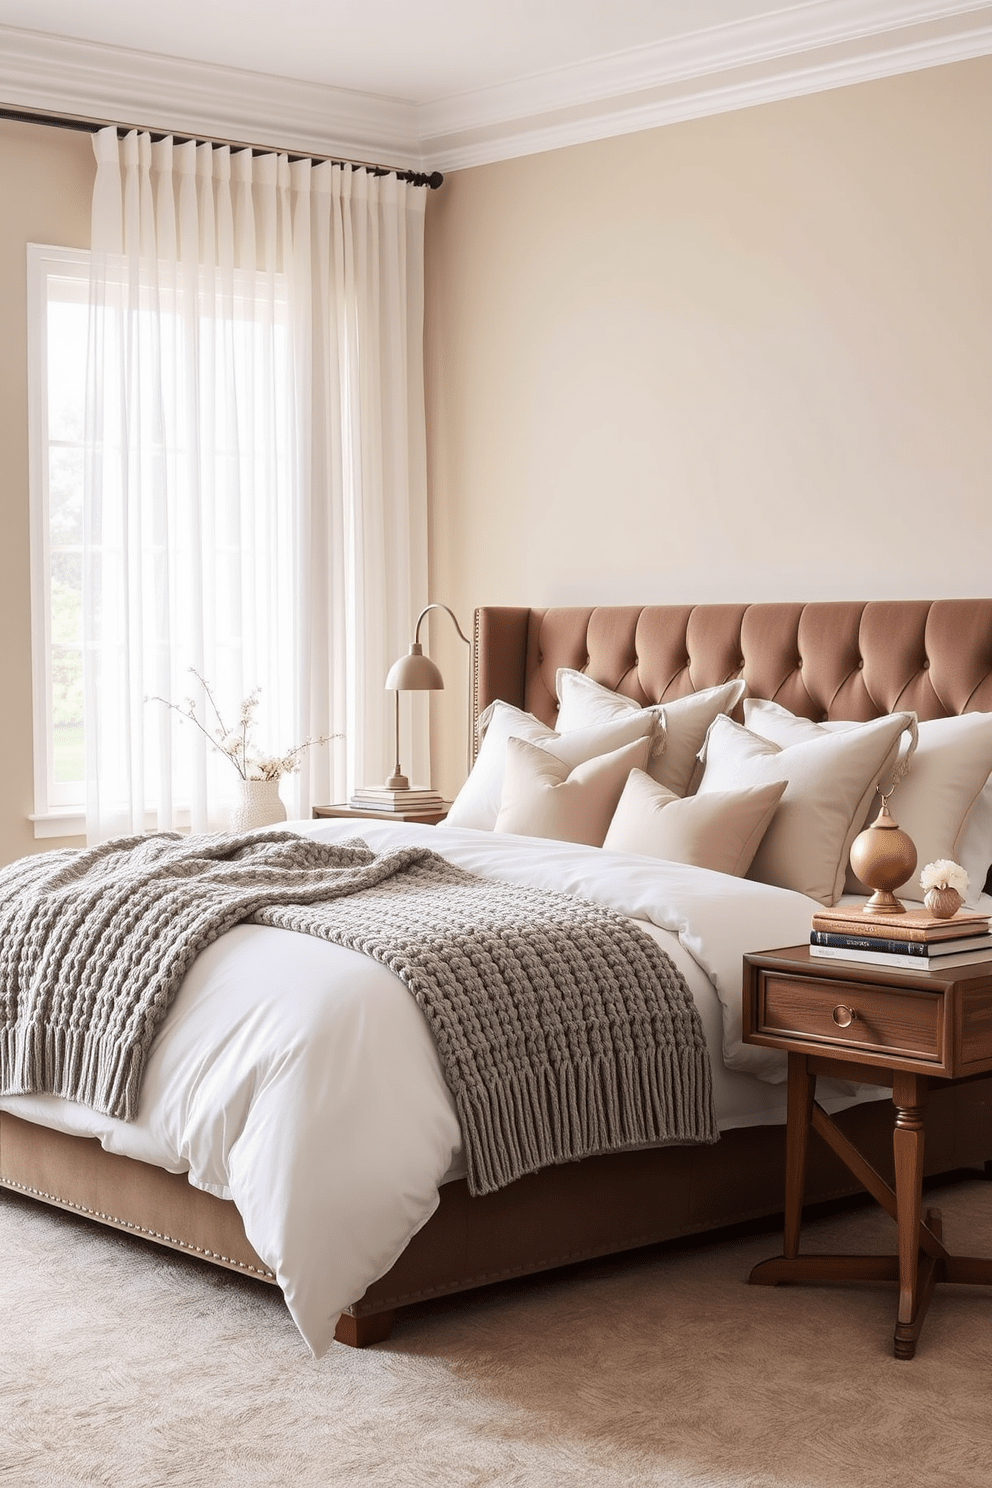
[843, 1016]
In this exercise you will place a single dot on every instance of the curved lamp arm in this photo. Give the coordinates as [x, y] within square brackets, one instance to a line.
[426, 610]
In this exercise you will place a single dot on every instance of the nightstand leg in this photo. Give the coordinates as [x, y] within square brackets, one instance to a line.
[908, 1096]
[802, 1088]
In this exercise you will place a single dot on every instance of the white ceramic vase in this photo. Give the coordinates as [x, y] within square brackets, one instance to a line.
[260, 806]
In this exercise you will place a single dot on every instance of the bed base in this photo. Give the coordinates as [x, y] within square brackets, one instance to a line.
[554, 1218]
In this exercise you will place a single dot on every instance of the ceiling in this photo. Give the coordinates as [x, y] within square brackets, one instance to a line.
[446, 83]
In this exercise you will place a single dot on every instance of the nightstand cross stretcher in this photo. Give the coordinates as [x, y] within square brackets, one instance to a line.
[900, 1030]
[922, 1259]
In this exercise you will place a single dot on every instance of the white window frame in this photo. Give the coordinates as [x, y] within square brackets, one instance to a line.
[59, 811]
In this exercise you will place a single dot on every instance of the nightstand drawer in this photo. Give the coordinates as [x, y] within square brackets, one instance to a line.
[849, 1015]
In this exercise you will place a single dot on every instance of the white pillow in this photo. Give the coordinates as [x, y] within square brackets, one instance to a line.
[944, 802]
[581, 702]
[829, 781]
[545, 797]
[774, 722]
[721, 830]
[477, 803]
[974, 846]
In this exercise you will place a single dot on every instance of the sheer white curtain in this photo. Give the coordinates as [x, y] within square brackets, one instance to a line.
[255, 491]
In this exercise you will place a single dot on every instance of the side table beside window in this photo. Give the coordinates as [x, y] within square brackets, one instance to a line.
[882, 1027]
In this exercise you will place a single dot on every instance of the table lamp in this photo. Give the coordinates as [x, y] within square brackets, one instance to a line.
[415, 672]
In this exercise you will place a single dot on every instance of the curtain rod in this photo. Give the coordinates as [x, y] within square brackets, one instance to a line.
[91, 126]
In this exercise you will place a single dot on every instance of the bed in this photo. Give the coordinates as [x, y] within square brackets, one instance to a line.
[820, 663]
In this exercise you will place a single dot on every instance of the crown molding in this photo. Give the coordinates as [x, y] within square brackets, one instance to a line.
[807, 47]
[55, 74]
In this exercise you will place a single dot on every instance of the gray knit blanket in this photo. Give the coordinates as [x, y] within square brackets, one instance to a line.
[562, 1029]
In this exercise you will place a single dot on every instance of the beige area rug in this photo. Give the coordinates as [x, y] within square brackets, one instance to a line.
[128, 1367]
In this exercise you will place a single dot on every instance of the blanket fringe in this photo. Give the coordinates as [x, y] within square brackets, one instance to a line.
[536, 1120]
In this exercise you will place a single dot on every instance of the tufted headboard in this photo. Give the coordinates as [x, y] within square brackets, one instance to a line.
[839, 659]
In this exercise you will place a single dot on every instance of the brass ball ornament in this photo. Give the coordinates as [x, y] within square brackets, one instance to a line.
[883, 856]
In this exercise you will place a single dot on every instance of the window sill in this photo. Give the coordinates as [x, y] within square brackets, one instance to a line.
[69, 822]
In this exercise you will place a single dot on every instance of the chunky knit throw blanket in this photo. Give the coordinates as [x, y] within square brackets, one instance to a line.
[562, 1029]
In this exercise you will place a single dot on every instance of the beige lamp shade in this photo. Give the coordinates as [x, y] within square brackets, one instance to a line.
[414, 672]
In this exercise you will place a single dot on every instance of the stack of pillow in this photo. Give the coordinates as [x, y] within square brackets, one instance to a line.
[780, 799]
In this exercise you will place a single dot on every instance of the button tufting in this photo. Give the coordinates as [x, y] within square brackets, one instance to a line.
[926, 666]
[861, 666]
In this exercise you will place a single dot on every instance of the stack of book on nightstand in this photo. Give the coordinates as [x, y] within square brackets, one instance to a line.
[381, 798]
[914, 941]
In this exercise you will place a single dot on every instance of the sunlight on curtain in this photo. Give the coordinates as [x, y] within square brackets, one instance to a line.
[255, 505]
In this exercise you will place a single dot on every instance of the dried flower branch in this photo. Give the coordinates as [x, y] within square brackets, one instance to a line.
[236, 743]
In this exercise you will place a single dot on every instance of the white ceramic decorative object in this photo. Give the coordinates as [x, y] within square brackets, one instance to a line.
[942, 903]
[944, 886]
[261, 805]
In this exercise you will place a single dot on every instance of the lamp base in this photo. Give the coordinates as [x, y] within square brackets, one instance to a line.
[397, 782]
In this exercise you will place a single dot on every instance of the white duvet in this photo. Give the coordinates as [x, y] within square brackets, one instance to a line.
[300, 1080]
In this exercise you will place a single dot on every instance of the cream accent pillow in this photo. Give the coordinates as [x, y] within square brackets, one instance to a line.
[774, 722]
[944, 802]
[829, 781]
[545, 797]
[685, 720]
[478, 802]
[721, 830]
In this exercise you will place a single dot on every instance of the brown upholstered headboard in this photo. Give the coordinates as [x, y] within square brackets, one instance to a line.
[843, 659]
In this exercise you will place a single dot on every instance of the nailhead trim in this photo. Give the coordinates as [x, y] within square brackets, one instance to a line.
[476, 710]
[126, 1224]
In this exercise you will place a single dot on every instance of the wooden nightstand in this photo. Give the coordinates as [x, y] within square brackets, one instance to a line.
[429, 818]
[885, 1027]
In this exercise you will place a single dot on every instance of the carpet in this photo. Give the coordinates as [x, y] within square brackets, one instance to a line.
[128, 1367]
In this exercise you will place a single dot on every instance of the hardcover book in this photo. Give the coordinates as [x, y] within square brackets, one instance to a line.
[921, 925]
[901, 963]
[923, 950]
[395, 800]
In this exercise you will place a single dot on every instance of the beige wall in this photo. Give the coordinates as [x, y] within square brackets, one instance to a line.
[46, 182]
[761, 342]
[747, 357]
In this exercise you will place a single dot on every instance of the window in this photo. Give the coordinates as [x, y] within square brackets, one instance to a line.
[57, 317]
[224, 497]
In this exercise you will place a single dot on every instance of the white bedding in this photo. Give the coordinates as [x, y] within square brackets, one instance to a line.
[299, 1079]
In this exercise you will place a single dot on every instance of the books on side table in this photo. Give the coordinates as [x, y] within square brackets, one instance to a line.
[914, 941]
[381, 798]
